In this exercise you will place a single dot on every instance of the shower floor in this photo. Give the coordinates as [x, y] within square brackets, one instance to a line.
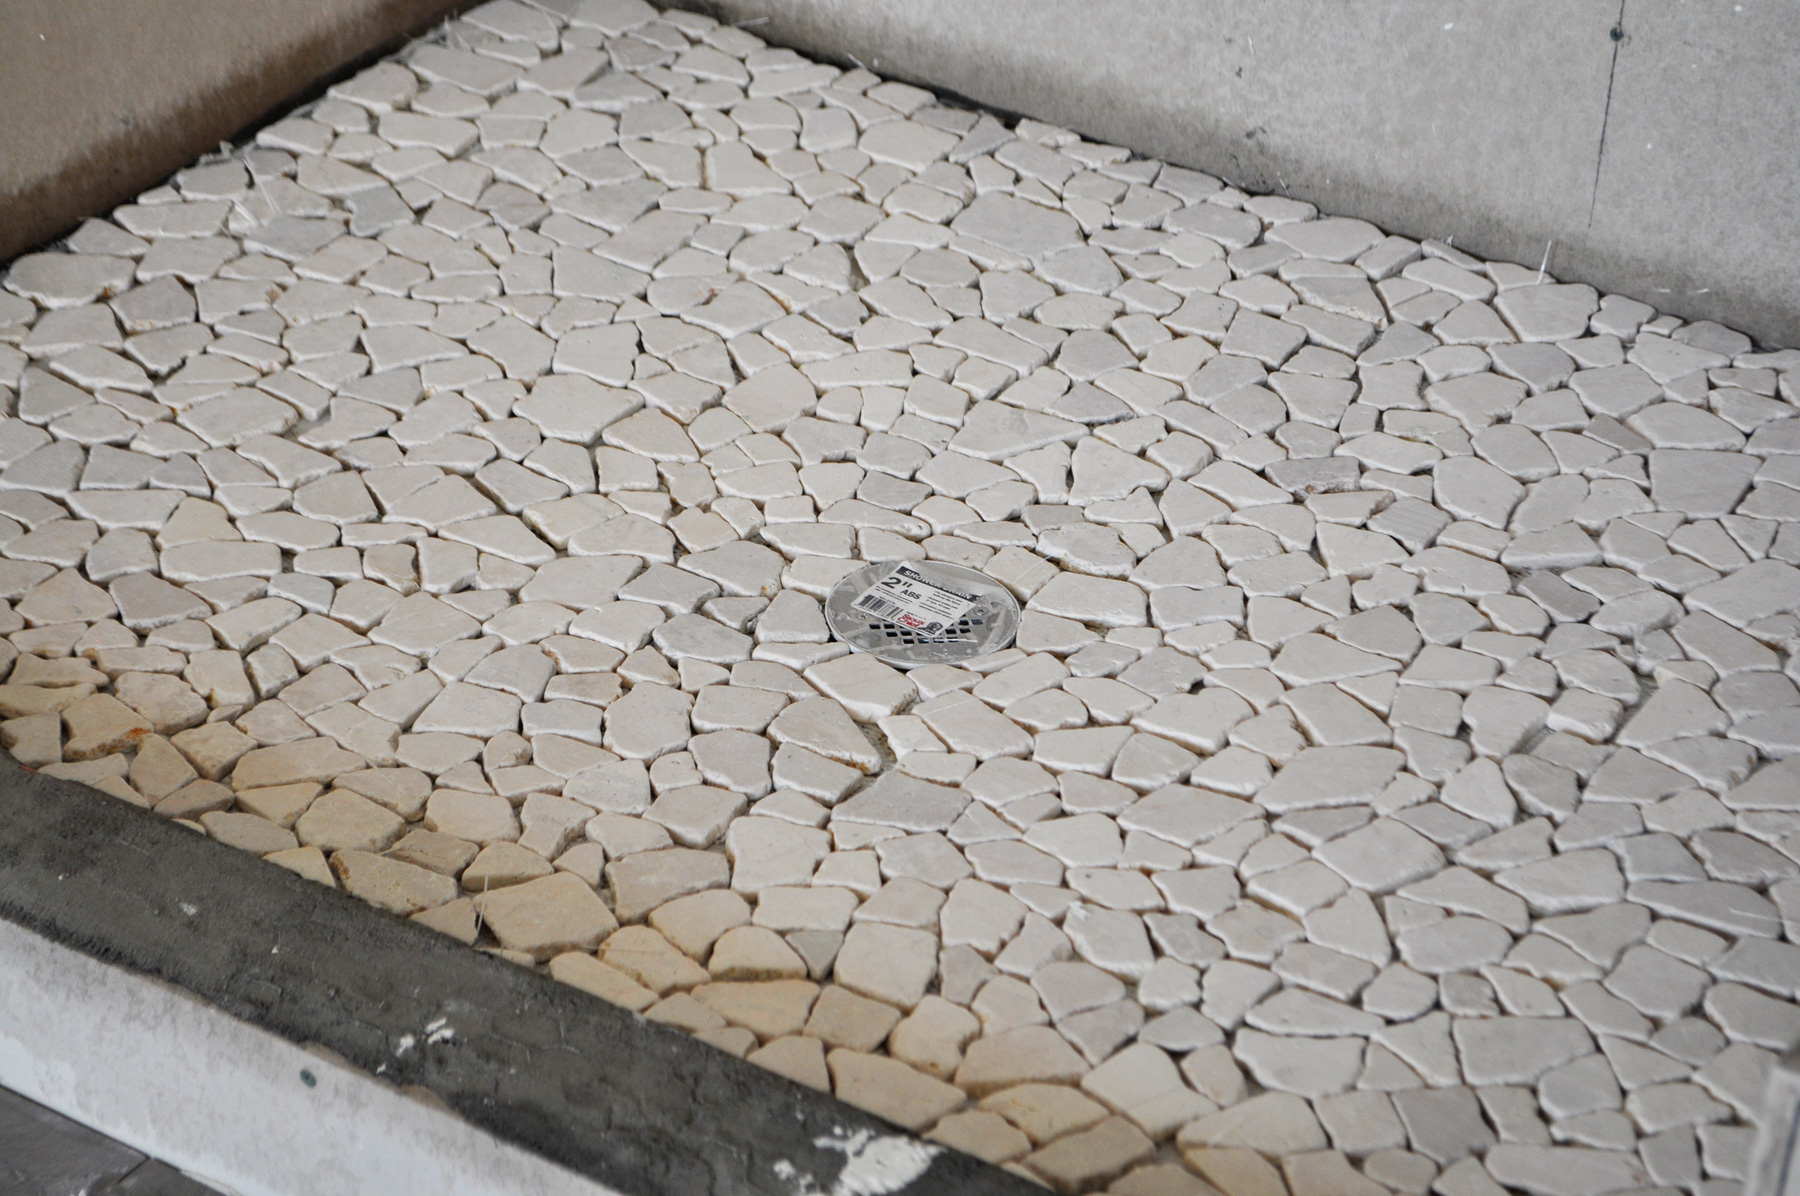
[1389, 789]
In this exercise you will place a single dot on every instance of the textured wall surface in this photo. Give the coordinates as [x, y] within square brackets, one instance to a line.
[1660, 163]
[100, 100]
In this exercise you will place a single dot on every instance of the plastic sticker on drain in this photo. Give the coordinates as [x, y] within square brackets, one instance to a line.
[909, 597]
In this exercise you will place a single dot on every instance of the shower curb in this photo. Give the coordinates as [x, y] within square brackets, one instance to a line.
[542, 1066]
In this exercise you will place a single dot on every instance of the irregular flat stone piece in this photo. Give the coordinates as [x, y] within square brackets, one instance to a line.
[397, 887]
[891, 1089]
[1564, 1170]
[546, 917]
[1391, 781]
[318, 760]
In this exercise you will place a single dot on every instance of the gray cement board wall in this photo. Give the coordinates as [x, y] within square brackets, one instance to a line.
[103, 99]
[1662, 163]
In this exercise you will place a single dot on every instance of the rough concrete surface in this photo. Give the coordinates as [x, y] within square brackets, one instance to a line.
[578, 1081]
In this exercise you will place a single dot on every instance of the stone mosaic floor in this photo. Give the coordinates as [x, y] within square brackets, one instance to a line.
[1391, 787]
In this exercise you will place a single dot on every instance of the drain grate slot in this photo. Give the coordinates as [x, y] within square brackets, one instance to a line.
[963, 631]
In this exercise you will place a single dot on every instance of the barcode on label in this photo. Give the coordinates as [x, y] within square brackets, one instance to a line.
[880, 607]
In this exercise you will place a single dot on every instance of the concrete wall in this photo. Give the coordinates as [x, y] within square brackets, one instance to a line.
[1660, 162]
[153, 1066]
[101, 99]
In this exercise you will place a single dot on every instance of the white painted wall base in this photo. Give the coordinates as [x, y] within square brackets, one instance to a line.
[1775, 1162]
[161, 1071]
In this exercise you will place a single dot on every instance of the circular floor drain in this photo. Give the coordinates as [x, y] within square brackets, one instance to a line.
[910, 613]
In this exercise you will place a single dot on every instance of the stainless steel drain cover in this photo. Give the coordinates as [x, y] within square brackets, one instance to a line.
[910, 613]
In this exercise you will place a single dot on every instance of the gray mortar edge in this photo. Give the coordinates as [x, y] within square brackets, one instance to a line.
[549, 1068]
